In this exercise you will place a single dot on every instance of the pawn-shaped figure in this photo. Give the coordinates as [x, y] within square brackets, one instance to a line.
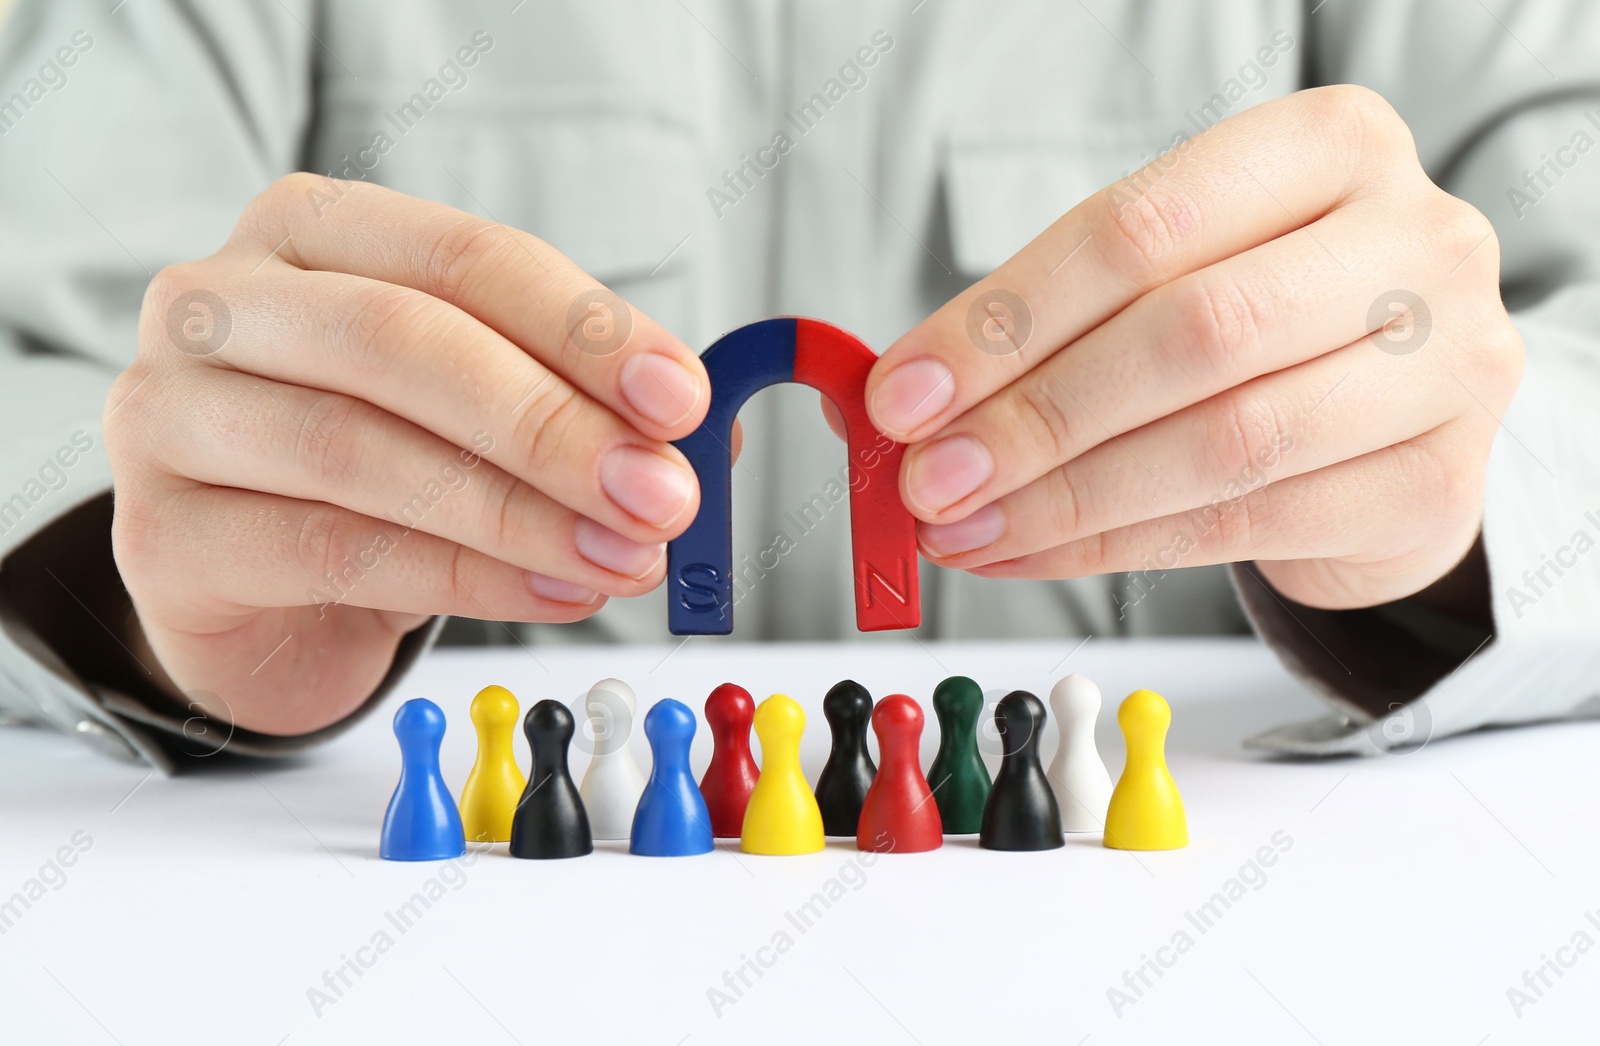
[959, 780]
[550, 820]
[899, 815]
[672, 820]
[732, 775]
[490, 795]
[1021, 813]
[613, 783]
[1146, 812]
[1079, 777]
[782, 816]
[422, 823]
[846, 776]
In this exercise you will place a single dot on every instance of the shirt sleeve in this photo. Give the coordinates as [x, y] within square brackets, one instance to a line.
[1516, 132]
[132, 135]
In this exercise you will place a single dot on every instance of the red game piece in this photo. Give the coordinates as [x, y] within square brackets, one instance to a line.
[731, 777]
[899, 815]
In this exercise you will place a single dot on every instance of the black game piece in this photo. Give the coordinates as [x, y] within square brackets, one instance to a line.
[1021, 813]
[550, 820]
[848, 773]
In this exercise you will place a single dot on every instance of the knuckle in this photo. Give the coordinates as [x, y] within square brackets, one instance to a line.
[1230, 527]
[1218, 323]
[1045, 419]
[130, 543]
[182, 314]
[167, 284]
[1148, 233]
[460, 591]
[1064, 504]
[118, 420]
[507, 505]
[266, 213]
[326, 444]
[1245, 430]
[1504, 358]
[160, 294]
[324, 543]
[1466, 237]
[136, 529]
[459, 252]
[373, 325]
[1494, 357]
[542, 428]
[1363, 120]
[1436, 479]
[1091, 554]
[296, 185]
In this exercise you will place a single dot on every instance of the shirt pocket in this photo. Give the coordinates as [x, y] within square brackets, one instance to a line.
[1001, 193]
[614, 189]
[607, 180]
[613, 192]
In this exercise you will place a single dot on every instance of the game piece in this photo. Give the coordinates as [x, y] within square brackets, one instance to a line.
[782, 817]
[732, 775]
[672, 820]
[550, 821]
[882, 533]
[1021, 813]
[614, 781]
[1079, 777]
[899, 815]
[490, 795]
[422, 823]
[959, 780]
[846, 776]
[1146, 811]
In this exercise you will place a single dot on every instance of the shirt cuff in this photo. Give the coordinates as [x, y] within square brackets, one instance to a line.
[1393, 675]
[170, 740]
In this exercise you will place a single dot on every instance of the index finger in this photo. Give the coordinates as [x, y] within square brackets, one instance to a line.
[1247, 180]
[512, 281]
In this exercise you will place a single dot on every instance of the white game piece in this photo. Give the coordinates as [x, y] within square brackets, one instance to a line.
[1077, 774]
[614, 782]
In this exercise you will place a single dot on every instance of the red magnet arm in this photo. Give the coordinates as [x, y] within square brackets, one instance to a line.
[883, 537]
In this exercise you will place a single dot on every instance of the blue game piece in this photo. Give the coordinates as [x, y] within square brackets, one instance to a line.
[672, 820]
[422, 823]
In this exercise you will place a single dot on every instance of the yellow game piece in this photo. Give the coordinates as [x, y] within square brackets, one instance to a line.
[495, 784]
[1146, 811]
[782, 816]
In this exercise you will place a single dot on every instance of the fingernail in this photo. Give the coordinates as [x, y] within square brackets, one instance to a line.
[983, 527]
[659, 388]
[947, 470]
[608, 550]
[646, 485]
[911, 394]
[561, 591]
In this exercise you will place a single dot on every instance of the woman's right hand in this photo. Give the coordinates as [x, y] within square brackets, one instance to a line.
[367, 409]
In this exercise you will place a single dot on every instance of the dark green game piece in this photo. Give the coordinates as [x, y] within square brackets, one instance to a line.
[959, 780]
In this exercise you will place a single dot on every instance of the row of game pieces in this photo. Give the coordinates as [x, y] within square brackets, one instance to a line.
[772, 809]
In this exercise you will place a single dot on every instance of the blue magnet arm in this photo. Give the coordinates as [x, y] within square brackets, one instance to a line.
[700, 560]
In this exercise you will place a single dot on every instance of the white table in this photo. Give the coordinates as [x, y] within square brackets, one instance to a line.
[1406, 895]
